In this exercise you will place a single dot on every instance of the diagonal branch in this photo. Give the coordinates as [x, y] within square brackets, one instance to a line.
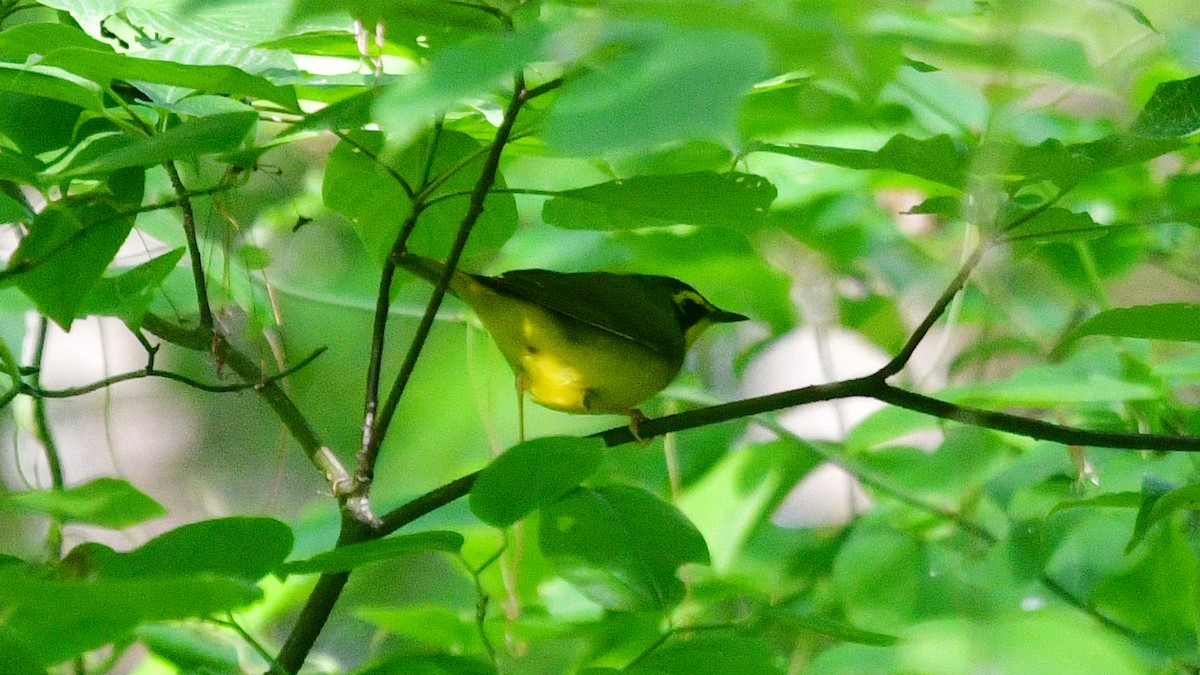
[491, 166]
[955, 287]
[202, 340]
[358, 523]
[901, 359]
[383, 297]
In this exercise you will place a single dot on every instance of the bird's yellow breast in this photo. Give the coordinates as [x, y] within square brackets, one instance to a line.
[569, 365]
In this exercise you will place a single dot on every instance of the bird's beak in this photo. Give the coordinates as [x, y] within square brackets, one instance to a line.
[721, 316]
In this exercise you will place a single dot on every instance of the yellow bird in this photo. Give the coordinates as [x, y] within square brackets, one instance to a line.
[584, 342]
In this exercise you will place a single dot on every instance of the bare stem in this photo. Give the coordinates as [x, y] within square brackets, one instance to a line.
[150, 371]
[358, 523]
[189, 230]
[202, 340]
[370, 453]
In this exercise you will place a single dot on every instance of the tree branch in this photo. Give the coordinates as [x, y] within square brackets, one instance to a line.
[370, 453]
[202, 340]
[193, 243]
[150, 371]
[383, 300]
[918, 335]
[358, 523]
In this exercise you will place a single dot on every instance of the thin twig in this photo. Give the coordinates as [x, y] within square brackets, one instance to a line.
[544, 88]
[369, 454]
[498, 191]
[918, 335]
[881, 484]
[151, 371]
[391, 171]
[30, 263]
[193, 243]
[41, 429]
[357, 522]
[383, 300]
[199, 339]
[232, 624]
[954, 288]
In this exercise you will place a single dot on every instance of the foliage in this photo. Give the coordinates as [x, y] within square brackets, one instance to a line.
[996, 200]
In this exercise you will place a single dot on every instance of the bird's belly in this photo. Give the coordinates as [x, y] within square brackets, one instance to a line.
[585, 382]
[572, 367]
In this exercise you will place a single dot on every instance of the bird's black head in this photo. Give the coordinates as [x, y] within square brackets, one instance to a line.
[695, 313]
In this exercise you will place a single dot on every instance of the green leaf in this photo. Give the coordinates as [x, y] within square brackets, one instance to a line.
[666, 86]
[845, 157]
[531, 475]
[19, 42]
[70, 50]
[191, 649]
[56, 620]
[1057, 224]
[1175, 321]
[741, 491]
[1052, 385]
[1135, 13]
[724, 655]
[946, 206]
[128, 295]
[238, 547]
[361, 188]
[12, 211]
[1063, 56]
[620, 546]
[1050, 640]
[58, 264]
[951, 474]
[50, 83]
[704, 198]
[413, 23]
[939, 159]
[346, 558]
[877, 318]
[838, 630]
[107, 502]
[223, 132]
[19, 168]
[942, 160]
[1154, 593]
[352, 112]
[464, 71]
[436, 625]
[887, 424]
[425, 664]
[878, 578]
[1173, 110]
[1121, 500]
[1160, 499]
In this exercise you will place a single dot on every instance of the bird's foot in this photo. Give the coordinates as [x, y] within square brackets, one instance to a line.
[636, 419]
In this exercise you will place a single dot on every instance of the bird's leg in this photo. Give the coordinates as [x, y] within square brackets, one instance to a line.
[522, 387]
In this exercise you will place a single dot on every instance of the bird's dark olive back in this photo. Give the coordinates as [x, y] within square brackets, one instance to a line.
[638, 307]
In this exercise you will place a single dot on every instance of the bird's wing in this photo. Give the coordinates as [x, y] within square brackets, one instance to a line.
[627, 305]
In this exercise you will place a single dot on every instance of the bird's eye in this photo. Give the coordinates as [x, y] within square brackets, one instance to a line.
[689, 310]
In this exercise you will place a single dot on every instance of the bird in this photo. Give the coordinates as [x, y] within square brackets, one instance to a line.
[583, 342]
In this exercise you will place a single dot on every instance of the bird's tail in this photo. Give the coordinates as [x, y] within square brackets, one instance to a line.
[431, 270]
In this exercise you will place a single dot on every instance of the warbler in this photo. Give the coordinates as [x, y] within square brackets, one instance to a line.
[584, 342]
